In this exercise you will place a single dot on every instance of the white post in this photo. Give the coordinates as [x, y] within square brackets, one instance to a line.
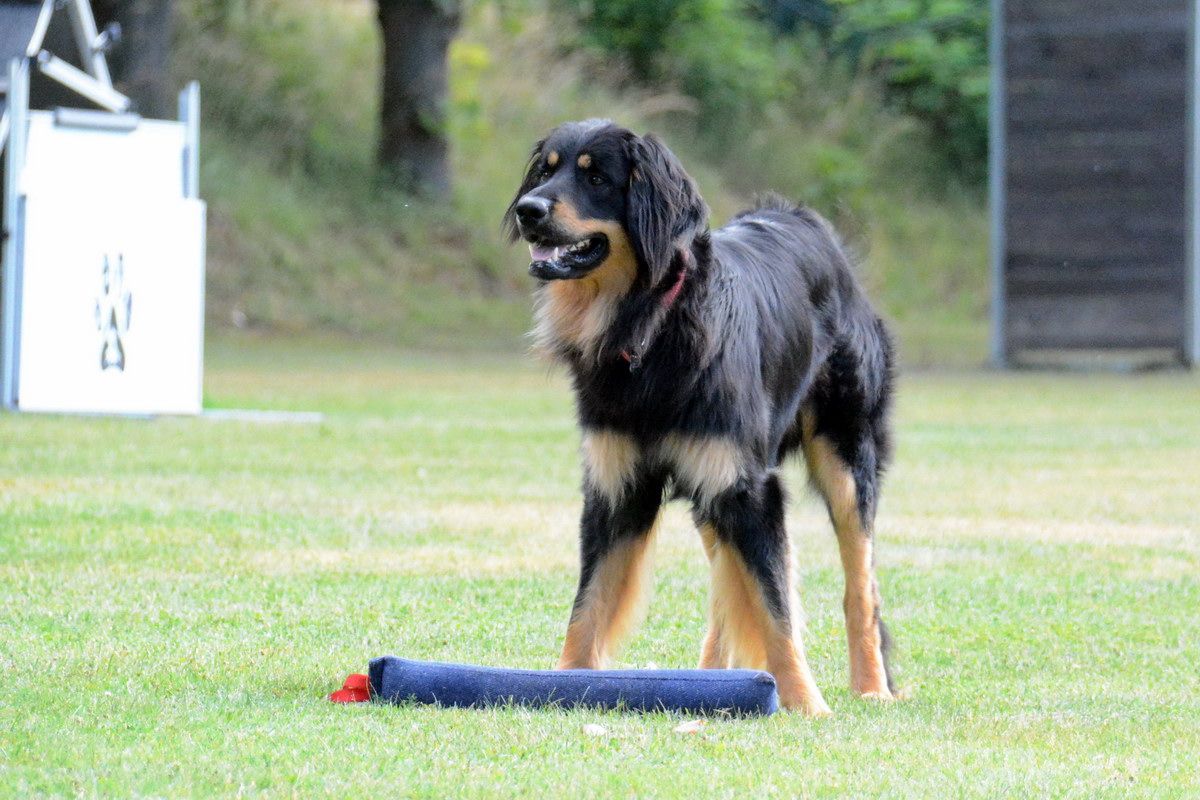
[18, 107]
[189, 115]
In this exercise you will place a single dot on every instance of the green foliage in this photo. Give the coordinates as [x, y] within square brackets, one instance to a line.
[267, 76]
[933, 56]
[711, 50]
[738, 60]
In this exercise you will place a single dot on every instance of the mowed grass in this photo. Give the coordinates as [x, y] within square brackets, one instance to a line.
[179, 595]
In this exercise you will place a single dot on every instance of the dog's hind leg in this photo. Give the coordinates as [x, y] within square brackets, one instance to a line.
[614, 537]
[753, 600]
[851, 509]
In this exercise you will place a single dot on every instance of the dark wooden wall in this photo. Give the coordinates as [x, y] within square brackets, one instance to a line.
[1096, 215]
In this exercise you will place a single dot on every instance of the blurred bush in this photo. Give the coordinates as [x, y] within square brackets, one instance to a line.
[737, 58]
[710, 50]
[299, 76]
[933, 57]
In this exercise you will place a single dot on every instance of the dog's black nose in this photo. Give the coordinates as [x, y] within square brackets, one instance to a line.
[531, 209]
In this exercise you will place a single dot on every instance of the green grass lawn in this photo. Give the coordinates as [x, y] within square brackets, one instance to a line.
[179, 595]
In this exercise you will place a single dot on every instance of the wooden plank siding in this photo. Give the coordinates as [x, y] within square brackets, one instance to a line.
[1096, 213]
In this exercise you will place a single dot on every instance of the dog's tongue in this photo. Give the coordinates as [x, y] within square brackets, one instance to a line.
[542, 253]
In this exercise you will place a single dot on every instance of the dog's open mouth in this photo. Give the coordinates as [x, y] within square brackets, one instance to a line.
[549, 262]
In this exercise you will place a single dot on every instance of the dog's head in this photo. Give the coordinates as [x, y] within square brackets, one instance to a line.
[594, 191]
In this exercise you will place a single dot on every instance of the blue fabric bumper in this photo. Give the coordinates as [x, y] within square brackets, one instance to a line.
[699, 691]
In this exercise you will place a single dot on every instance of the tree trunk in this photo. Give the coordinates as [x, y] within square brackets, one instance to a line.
[412, 141]
[141, 62]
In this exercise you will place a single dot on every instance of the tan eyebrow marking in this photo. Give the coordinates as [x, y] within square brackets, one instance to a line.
[552, 159]
[584, 161]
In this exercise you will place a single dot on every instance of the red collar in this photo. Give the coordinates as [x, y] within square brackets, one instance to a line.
[668, 299]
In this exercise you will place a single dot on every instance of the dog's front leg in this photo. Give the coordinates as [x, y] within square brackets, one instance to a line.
[614, 536]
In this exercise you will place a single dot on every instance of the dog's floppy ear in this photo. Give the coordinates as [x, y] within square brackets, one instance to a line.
[665, 209]
[527, 183]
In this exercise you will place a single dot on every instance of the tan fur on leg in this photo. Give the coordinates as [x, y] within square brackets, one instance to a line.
[713, 654]
[753, 638]
[737, 612]
[610, 608]
[797, 688]
[868, 676]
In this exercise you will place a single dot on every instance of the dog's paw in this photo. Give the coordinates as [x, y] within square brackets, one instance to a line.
[817, 710]
[884, 695]
[814, 708]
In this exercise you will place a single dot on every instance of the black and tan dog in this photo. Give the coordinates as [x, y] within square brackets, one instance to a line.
[700, 360]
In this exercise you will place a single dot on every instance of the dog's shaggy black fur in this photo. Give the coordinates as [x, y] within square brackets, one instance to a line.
[700, 360]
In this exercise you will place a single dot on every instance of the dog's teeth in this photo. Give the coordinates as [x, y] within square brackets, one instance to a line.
[557, 251]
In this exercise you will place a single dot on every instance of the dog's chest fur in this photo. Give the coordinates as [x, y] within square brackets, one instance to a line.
[573, 316]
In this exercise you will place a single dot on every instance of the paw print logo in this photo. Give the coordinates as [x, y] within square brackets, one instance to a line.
[113, 306]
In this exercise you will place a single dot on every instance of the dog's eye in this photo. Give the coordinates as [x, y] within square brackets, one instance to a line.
[596, 180]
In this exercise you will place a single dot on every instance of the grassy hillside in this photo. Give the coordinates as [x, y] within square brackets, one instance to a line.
[304, 238]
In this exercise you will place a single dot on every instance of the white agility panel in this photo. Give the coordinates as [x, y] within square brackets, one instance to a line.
[111, 292]
[111, 315]
[102, 280]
